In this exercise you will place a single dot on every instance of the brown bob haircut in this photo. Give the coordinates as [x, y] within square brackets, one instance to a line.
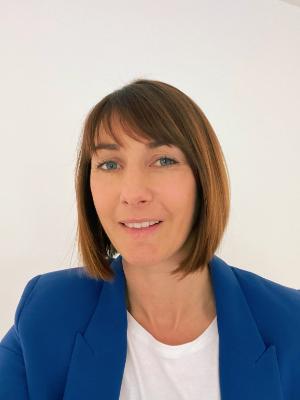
[154, 110]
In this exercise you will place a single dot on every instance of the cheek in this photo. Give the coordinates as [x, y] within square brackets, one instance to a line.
[94, 194]
[99, 197]
[181, 191]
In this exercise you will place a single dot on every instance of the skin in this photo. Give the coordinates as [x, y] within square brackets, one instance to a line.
[136, 183]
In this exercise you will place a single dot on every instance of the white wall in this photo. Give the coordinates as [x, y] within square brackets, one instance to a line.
[239, 60]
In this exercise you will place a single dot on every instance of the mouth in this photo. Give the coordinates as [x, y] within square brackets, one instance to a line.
[139, 232]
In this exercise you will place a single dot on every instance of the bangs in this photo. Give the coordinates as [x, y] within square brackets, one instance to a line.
[142, 120]
[113, 119]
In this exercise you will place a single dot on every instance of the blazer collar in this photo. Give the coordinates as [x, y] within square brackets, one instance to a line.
[248, 367]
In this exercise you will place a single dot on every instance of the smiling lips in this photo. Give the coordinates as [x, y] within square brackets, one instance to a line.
[138, 232]
[140, 221]
[141, 225]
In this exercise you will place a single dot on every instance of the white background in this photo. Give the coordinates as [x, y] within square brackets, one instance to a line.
[239, 60]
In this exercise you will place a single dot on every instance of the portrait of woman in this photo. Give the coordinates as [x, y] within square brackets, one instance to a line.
[153, 313]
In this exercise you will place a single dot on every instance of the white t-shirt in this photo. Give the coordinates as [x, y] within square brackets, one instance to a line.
[157, 371]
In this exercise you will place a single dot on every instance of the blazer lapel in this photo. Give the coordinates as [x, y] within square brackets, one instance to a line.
[98, 358]
[248, 367]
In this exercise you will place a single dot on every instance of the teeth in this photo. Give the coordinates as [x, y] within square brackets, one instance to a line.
[142, 225]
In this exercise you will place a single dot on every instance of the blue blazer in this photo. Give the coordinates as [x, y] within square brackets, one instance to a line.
[69, 338]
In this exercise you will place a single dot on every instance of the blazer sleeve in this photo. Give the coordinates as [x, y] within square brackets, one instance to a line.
[13, 382]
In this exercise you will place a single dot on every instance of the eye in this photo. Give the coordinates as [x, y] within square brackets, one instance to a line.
[110, 162]
[167, 158]
[99, 165]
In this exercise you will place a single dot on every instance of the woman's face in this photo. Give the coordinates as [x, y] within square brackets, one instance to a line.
[137, 182]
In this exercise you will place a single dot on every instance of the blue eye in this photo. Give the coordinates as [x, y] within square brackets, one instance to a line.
[99, 165]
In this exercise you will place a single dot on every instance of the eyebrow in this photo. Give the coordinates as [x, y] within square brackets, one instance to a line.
[114, 146]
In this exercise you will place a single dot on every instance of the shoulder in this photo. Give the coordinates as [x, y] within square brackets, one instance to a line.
[67, 296]
[275, 307]
[259, 287]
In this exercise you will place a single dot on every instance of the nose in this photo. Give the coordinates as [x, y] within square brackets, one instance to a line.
[135, 188]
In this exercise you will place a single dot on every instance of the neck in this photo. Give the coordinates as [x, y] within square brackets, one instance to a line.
[165, 302]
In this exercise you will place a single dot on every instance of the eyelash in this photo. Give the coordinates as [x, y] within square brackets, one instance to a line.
[99, 165]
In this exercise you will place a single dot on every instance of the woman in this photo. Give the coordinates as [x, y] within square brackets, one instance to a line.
[167, 318]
